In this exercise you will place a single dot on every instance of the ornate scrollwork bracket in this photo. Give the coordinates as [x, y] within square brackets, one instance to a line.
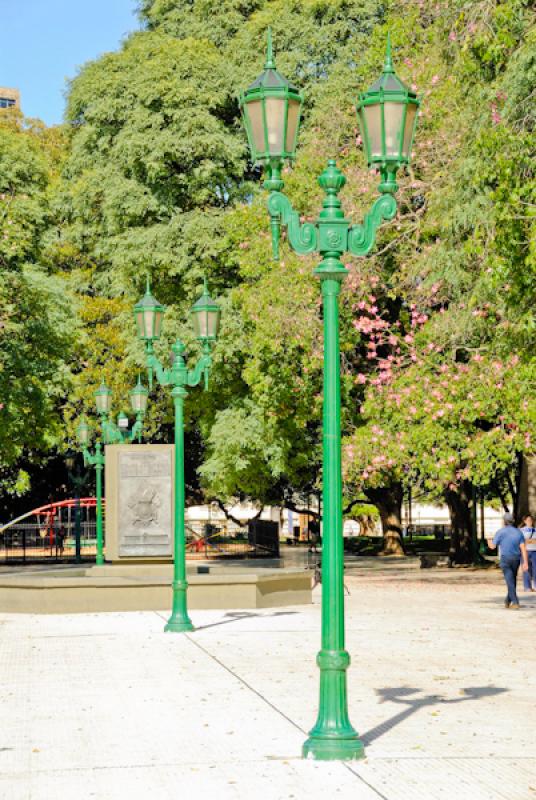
[303, 237]
[361, 237]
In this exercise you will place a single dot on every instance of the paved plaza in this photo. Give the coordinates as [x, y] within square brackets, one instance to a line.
[441, 688]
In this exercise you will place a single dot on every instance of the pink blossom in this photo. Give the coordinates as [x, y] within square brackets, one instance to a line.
[361, 378]
[435, 79]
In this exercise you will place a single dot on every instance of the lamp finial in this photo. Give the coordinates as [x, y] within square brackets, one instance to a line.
[270, 63]
[388, 65]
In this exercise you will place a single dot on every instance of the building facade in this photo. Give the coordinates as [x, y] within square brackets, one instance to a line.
[9, 98]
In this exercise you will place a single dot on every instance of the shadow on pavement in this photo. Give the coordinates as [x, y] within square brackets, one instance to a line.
[404, 695]
[238, 615]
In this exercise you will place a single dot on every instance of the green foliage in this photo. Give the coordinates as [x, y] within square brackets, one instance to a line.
[154, 180]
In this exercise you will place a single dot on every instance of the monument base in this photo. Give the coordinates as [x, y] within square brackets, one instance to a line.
[130, 588]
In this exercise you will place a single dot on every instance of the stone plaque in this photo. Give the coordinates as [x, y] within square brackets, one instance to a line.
[145, 503]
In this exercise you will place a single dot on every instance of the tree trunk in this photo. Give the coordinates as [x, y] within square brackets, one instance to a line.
[388, 501]
[460, 518]
[527, 491]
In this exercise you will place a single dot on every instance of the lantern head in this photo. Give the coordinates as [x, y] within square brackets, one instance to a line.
[138, 398]
[206, 317]
[271, 109]
[83, 433]
[148, 313]
[387, 118]
[103, 399]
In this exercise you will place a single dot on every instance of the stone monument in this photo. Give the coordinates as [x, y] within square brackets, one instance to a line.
[139, 502]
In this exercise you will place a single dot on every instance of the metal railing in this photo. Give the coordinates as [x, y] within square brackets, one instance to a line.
[31, 542]
[205, 541]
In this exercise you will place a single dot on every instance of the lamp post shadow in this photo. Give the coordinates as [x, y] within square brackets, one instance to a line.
[236, 616]
[403, 695]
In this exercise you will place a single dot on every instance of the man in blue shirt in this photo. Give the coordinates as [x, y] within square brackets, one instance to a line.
[512, 549]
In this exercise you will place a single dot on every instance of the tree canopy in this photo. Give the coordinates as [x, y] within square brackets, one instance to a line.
[151, 177]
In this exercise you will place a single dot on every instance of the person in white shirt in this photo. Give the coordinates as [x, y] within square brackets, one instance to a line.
[529, 532]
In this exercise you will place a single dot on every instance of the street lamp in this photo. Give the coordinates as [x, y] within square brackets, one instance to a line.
[112, 434]
[206, 317]
[387, 113]
[96, 460]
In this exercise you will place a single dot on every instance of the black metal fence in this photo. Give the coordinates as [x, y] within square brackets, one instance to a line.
[28, 543]
[206, 541]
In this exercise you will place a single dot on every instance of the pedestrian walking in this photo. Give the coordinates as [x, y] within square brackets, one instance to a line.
[60, 539]
[512, 552]
[529, 532]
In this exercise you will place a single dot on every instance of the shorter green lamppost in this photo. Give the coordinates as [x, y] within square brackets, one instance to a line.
[112, 434]
[96, 460]
[148, 314]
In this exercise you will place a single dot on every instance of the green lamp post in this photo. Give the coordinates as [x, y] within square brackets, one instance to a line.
[96, 460]
[112, 434]
[148, 314]
[387, 114]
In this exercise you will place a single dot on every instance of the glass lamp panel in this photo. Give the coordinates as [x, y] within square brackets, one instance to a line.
[140, 323]
[275, 121]
[292, 124]
[213, 323]
[148, 323]
[122, 421]
[253, 109]
[200, 320]
[158, 317]
[408, 132]
[372, 115]
[142, 402]
[393, 115]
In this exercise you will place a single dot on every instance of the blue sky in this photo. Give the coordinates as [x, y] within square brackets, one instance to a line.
[44, 42]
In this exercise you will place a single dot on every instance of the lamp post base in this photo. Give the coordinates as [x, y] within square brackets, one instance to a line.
[179, 621]
[333, 748]
[333, 738]
[99, 561]
[178, 625]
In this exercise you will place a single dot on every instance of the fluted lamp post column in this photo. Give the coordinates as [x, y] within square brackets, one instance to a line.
[387, 115]
[148, 314]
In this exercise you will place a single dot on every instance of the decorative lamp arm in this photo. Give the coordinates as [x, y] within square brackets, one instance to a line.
[303, 237]
[201, 369]
[154, 364]
[89, 460]
[361, 238]
[137, 429]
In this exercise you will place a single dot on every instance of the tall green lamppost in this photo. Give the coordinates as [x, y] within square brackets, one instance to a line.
[387, 116]
[112, 434]
[148, 314]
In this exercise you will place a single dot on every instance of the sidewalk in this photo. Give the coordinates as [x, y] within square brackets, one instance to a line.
[441, 688]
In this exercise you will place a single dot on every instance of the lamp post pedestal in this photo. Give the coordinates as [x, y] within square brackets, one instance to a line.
[179, 621]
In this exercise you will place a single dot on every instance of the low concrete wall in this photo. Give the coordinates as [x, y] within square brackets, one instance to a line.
[85, 591]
